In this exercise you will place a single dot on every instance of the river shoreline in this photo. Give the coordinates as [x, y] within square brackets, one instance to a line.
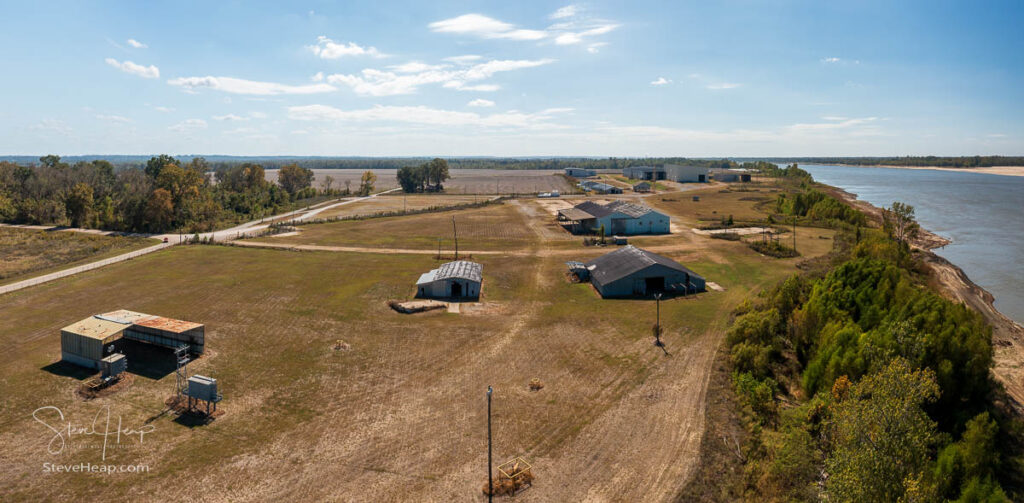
[988, 170]
[953, 283]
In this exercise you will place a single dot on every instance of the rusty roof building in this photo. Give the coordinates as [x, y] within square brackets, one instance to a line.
[87, 342]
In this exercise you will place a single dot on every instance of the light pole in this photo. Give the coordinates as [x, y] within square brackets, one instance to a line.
[657, 325]
[490, 480]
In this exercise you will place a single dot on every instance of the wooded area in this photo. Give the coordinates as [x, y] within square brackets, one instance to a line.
[164, 195]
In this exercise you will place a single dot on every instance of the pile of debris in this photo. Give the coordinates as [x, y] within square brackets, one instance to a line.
[513, 477]
[417, 306]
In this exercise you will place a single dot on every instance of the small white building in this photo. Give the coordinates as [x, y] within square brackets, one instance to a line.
[460, 280]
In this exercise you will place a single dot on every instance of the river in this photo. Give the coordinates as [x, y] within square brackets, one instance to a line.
[982, 214]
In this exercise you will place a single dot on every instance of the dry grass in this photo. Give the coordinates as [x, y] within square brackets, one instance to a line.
[463, 181]
[27, 252]
[392, 203]
[490, 228]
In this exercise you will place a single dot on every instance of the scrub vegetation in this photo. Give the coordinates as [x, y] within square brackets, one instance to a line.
[29, 252]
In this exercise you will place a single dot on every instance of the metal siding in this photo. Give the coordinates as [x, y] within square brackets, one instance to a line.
[79, 360]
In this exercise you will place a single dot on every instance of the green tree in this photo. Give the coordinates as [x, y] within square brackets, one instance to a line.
[293, 178]
[366, 183]
[78, 204]
[899, 222]
[159, 210]
[437, 170]
[881, 436]
[156, 164]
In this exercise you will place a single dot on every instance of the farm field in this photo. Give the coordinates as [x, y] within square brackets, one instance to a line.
[28, 252]
[463, 181]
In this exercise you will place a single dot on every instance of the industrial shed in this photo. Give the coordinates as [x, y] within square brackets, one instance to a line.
[600, 188]
[642, 187]
[88, 341]
[644, 173]
[459, 279]
[730, 175]
[685, 173]
[580, 172]
[617, 217]
[630, 271]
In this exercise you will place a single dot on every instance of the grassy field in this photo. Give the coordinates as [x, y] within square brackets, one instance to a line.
[496, 227]
[25, 253]
[400, 416]
[398, 202]
[743, 201]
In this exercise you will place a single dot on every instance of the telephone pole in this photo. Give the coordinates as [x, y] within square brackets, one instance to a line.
[455, 234]
[490, 479]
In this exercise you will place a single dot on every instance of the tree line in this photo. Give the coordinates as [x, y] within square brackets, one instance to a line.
[163, 195]
[426, 177]
[975, 161]
[858, 382]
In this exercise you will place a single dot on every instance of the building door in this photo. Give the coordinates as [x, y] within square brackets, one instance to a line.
[456, 289]
[655, 284]
[702, 178]
[619, 226]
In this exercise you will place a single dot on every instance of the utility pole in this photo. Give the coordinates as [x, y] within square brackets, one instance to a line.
[657, 325]
[455, 234]
[490, 479]
[438, 249]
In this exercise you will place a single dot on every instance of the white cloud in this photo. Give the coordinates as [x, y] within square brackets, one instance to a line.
[148, 72]
[136, 44]
[317, 77]
[480, 102]
[242, 86]
[568, 39]
[113, 118]
[564, 12]
[230, 117]
[485, 27]
[464, 60]
[830, 60]
[596, 47]
[373, 82]
[723, 85]
[326, 48]
[257, 115]
[53, 126]
[660, 81]
[415, 67]
[422, 115]
[834, 123]
[833, 118]
[188, 125]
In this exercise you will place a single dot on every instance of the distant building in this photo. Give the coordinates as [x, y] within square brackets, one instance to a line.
[630, 271]
[686, 173]
[598, 187]
[617, 217]
[89, 341]
[580, 172]
[642, 187]
[460, 279]
[644, 173]
[730, 175]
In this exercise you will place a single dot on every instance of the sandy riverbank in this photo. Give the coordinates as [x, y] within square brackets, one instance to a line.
[953, 283]
[990, 170]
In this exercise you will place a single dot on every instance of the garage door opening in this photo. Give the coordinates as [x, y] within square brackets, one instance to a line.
[655, 284]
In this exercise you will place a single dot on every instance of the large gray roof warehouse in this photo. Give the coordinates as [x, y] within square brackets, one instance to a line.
[632, 271]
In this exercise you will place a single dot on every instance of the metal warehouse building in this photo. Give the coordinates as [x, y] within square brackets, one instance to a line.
[686, 174]
[631, 271]
[580, 172]
[617, 217]
[459, 279]
[88, 341]
[643, 173]
[730, 175]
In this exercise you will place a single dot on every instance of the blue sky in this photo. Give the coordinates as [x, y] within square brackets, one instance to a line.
[731, 78]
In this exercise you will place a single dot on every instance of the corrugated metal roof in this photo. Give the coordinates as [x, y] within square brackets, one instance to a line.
[460, 269]
[593, 209]
[630, 209]
[123, 316]
[167, 324]
[628, 260]
[94, 328]
[575, 214]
